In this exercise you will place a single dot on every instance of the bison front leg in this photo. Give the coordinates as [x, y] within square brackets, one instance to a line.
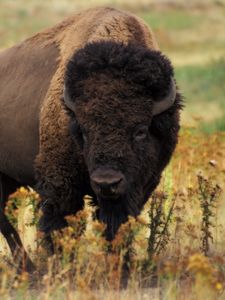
[8, 186]
[61, 194]
[59, 166]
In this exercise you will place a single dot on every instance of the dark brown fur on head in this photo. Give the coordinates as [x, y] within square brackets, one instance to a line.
[113, 88]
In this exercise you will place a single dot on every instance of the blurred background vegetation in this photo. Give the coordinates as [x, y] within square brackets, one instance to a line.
[190, 33]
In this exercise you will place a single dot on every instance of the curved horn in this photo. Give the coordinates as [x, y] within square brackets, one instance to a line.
[167, 102]
[67, 100]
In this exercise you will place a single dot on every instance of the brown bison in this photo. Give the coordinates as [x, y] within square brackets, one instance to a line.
[89, 106]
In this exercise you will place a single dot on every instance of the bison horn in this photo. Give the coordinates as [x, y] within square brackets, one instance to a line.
[167, 102]
[67, 100]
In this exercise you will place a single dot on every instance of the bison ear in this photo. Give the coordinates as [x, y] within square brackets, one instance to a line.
[167, 101]
[67, 99]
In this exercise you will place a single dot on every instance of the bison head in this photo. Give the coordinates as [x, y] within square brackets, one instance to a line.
[124, 114]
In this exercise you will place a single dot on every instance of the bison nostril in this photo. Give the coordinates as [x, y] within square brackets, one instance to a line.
[108, 183]
[113, 190]
[109, 186]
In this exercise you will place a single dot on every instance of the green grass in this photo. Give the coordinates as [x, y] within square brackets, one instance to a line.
[217, 125]
[18, 21]
[204, 90]
[172, 20]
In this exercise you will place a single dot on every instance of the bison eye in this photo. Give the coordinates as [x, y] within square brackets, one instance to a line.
[74, 128]
[78, 132]
[84, 136]
[141, 133]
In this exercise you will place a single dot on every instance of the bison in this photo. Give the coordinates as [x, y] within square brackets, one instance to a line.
[89, 106]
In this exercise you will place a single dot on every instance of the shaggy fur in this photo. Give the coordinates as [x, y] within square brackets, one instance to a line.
[114, 72]
[113, 87]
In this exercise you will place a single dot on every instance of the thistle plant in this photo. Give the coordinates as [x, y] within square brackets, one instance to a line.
[208, 194]
[159, 224]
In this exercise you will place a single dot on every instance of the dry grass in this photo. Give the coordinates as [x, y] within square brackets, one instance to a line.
[85, 265]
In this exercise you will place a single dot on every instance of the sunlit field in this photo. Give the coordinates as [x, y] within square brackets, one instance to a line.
[176, 248]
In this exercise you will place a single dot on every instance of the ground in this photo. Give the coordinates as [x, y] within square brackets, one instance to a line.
[184, 257]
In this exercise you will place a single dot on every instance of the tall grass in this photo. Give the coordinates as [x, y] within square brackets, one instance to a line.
[163, 250]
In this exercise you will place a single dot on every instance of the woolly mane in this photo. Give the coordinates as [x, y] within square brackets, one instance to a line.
[136, 64]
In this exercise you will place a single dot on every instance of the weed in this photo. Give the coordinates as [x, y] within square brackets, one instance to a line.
[159, 224]
[208, 197]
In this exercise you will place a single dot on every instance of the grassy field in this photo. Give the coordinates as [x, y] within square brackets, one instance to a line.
[179, 259]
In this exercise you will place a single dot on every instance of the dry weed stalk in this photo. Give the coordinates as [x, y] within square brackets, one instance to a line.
[123, 247]
[208, 196]
[159, 224]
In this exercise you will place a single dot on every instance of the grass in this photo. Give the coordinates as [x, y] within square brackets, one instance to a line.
[190, 263]
[180, 258]
[204, 92]
[177, 20]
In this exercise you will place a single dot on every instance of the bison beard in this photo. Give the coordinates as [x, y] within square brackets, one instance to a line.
[115, 214]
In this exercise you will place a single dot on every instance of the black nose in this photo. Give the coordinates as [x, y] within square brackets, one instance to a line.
[108, 183]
